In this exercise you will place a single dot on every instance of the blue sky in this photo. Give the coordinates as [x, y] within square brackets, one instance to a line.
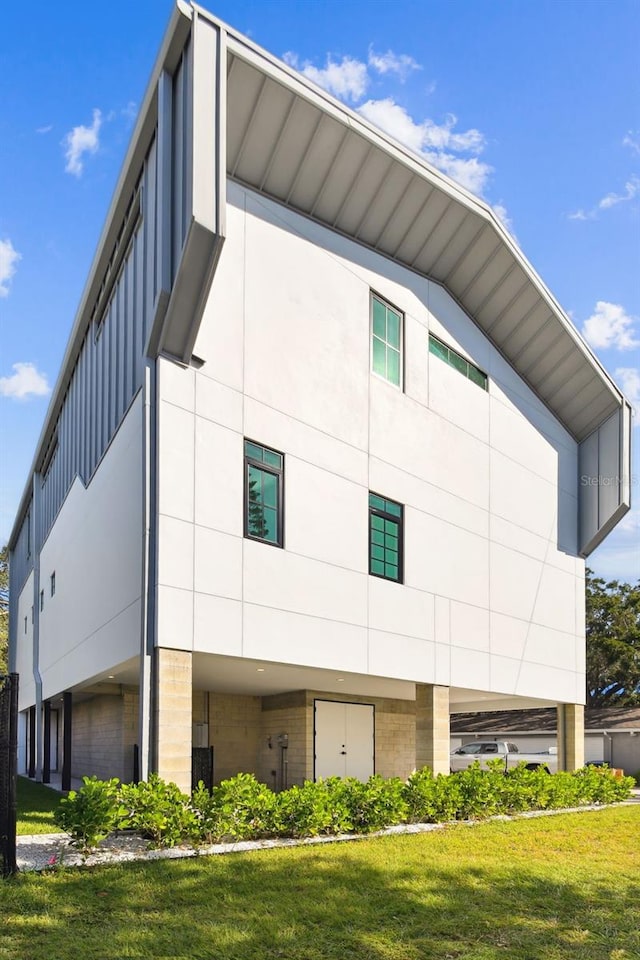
[533, 105]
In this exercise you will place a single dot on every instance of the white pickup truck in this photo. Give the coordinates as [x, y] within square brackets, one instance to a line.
[485, 750]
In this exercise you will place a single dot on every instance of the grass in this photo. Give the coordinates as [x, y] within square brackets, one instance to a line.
[565, 887]
[36, 805]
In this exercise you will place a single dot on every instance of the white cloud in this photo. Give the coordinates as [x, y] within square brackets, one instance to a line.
[632, 140]
[130, 112]
[399, 63]
[8, 259]
[610, 326]
[582, 215]
[502, 214]
[629, 380]
[26, 381]
[82, 140]
[441, 144]
[631, 189]
[347, 79]
[435, 142]
[47, 129]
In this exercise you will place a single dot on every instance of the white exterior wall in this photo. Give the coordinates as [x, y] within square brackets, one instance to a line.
[24, 645]
[95, 547]
[493, 591]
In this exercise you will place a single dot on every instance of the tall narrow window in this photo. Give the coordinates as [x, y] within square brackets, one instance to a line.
[263, 493]
[385, 538]
[25, 624]
[386, 340]
[53, 583]
[42, 599]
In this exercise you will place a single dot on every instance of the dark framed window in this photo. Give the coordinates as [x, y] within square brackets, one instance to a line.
[263, 494]
[42, 599]
[458, 362]
[53, 583]
[386, 340]
[386, 538]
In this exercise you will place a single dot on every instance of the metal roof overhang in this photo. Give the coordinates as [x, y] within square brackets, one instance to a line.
[292, 142]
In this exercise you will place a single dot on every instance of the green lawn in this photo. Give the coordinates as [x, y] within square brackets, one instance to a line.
[565, 887]
[36, 805]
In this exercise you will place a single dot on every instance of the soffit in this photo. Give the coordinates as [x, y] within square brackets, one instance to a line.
[290, 141]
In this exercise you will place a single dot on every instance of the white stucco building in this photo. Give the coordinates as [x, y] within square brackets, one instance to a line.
[323, 461]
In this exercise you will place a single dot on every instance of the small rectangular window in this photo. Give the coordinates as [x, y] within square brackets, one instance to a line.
[53, 583]
[386, 340]
[42, 599]
[25, 624]
[458, 362]
[386, 538]
[263, 493]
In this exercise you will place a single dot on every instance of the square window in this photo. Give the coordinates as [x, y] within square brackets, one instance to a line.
[386, 521]
[263, 494]
[386, 340]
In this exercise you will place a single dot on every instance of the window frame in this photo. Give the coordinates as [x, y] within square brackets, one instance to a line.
[433, 340]
[376, 511]
[373, 295]
[277, 472]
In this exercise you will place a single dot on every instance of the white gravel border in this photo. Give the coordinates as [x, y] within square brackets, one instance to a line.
[49, 851]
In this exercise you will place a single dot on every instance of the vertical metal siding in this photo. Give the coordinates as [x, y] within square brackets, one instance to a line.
[182, 151]
[107, 375]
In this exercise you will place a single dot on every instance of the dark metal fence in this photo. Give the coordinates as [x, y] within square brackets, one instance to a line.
[8, 771]
[202, 767]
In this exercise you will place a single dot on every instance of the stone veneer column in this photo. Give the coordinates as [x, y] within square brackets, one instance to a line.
[432, 728]
[570, 736]
[173, 716]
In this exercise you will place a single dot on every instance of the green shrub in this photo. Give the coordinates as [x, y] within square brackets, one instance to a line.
[311, 810]
[159, 811]
[481, 793]
[372, 805]
[242, 809]
[205, 812]
[91, 813]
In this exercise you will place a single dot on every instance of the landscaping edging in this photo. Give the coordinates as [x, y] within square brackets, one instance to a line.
[50, 851]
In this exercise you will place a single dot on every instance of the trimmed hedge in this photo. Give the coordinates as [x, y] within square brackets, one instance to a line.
[242, 808]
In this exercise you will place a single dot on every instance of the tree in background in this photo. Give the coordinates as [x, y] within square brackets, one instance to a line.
[4, 608]
[613, 643]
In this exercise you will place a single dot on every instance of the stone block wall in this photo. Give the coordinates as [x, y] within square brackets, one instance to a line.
[104, 730]
[234, 732]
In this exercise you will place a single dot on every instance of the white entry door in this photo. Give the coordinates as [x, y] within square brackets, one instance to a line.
[343, 739]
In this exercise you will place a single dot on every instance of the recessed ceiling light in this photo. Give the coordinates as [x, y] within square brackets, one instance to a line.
[110, 677]
[260, 670]
[340, 679]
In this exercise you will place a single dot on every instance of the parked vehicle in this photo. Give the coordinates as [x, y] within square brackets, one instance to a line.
[485, 750]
